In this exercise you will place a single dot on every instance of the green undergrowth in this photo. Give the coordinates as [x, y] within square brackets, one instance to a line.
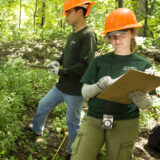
[20, 87]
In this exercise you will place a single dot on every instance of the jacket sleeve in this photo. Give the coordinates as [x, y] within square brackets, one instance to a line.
[60, 59]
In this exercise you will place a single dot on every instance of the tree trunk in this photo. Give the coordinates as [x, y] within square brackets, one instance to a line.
[146, 19]
[35, 13]
[20, 14]
[120, 3]
[43, 13]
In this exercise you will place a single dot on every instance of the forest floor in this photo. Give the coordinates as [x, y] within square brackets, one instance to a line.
[47, 145]
[45, 148]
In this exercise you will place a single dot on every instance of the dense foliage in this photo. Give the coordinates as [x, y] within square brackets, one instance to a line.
[20, 87]
[27, 20]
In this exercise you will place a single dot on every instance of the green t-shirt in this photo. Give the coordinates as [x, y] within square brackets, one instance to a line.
[78, 53]
[112, 65]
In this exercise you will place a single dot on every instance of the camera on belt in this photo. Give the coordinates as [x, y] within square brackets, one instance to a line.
[107, 121]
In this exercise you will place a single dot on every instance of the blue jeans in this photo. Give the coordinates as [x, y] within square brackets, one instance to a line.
[49, 102]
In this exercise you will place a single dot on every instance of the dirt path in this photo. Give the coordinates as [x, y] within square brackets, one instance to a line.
[43, 147]
[142, 150]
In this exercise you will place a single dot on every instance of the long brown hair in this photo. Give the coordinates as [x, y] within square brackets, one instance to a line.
[133, 40]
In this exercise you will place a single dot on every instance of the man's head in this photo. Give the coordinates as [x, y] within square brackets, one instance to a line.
[74, 15]
[81, 4]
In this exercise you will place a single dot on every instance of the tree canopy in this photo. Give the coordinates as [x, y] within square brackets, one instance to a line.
[21, 19]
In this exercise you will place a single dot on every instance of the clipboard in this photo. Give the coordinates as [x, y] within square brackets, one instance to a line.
[39, 67]
[131, 81]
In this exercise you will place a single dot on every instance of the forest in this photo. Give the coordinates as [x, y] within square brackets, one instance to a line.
[34, 32]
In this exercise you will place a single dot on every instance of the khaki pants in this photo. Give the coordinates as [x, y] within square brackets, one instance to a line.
[119, 140]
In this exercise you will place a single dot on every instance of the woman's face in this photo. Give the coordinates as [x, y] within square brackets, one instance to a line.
[121, 41]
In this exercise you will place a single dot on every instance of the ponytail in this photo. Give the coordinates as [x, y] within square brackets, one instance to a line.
[133, 40]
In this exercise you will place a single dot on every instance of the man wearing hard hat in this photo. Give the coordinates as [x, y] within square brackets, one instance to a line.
[78, 53]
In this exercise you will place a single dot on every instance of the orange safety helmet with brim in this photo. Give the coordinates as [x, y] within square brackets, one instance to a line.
[120, 19]
[69, 4]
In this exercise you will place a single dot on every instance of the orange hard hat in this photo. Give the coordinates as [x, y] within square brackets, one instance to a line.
[69, 4]
[119, 19]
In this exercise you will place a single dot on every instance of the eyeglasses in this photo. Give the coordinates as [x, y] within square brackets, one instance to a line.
[115, 37]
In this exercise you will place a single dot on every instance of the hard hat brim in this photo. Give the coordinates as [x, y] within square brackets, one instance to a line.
[121, 31]
[122, 28]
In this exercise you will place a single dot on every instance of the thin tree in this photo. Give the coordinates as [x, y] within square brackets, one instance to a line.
[120, 3]
[146, 18]
[20, 14]
[35, 13]
[43, 13]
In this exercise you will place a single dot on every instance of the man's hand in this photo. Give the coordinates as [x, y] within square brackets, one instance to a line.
[55, 70]
[141, 100]
[53, 64]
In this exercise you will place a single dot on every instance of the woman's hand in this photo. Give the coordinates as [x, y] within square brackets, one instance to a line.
[106, 81]
[141, 99]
